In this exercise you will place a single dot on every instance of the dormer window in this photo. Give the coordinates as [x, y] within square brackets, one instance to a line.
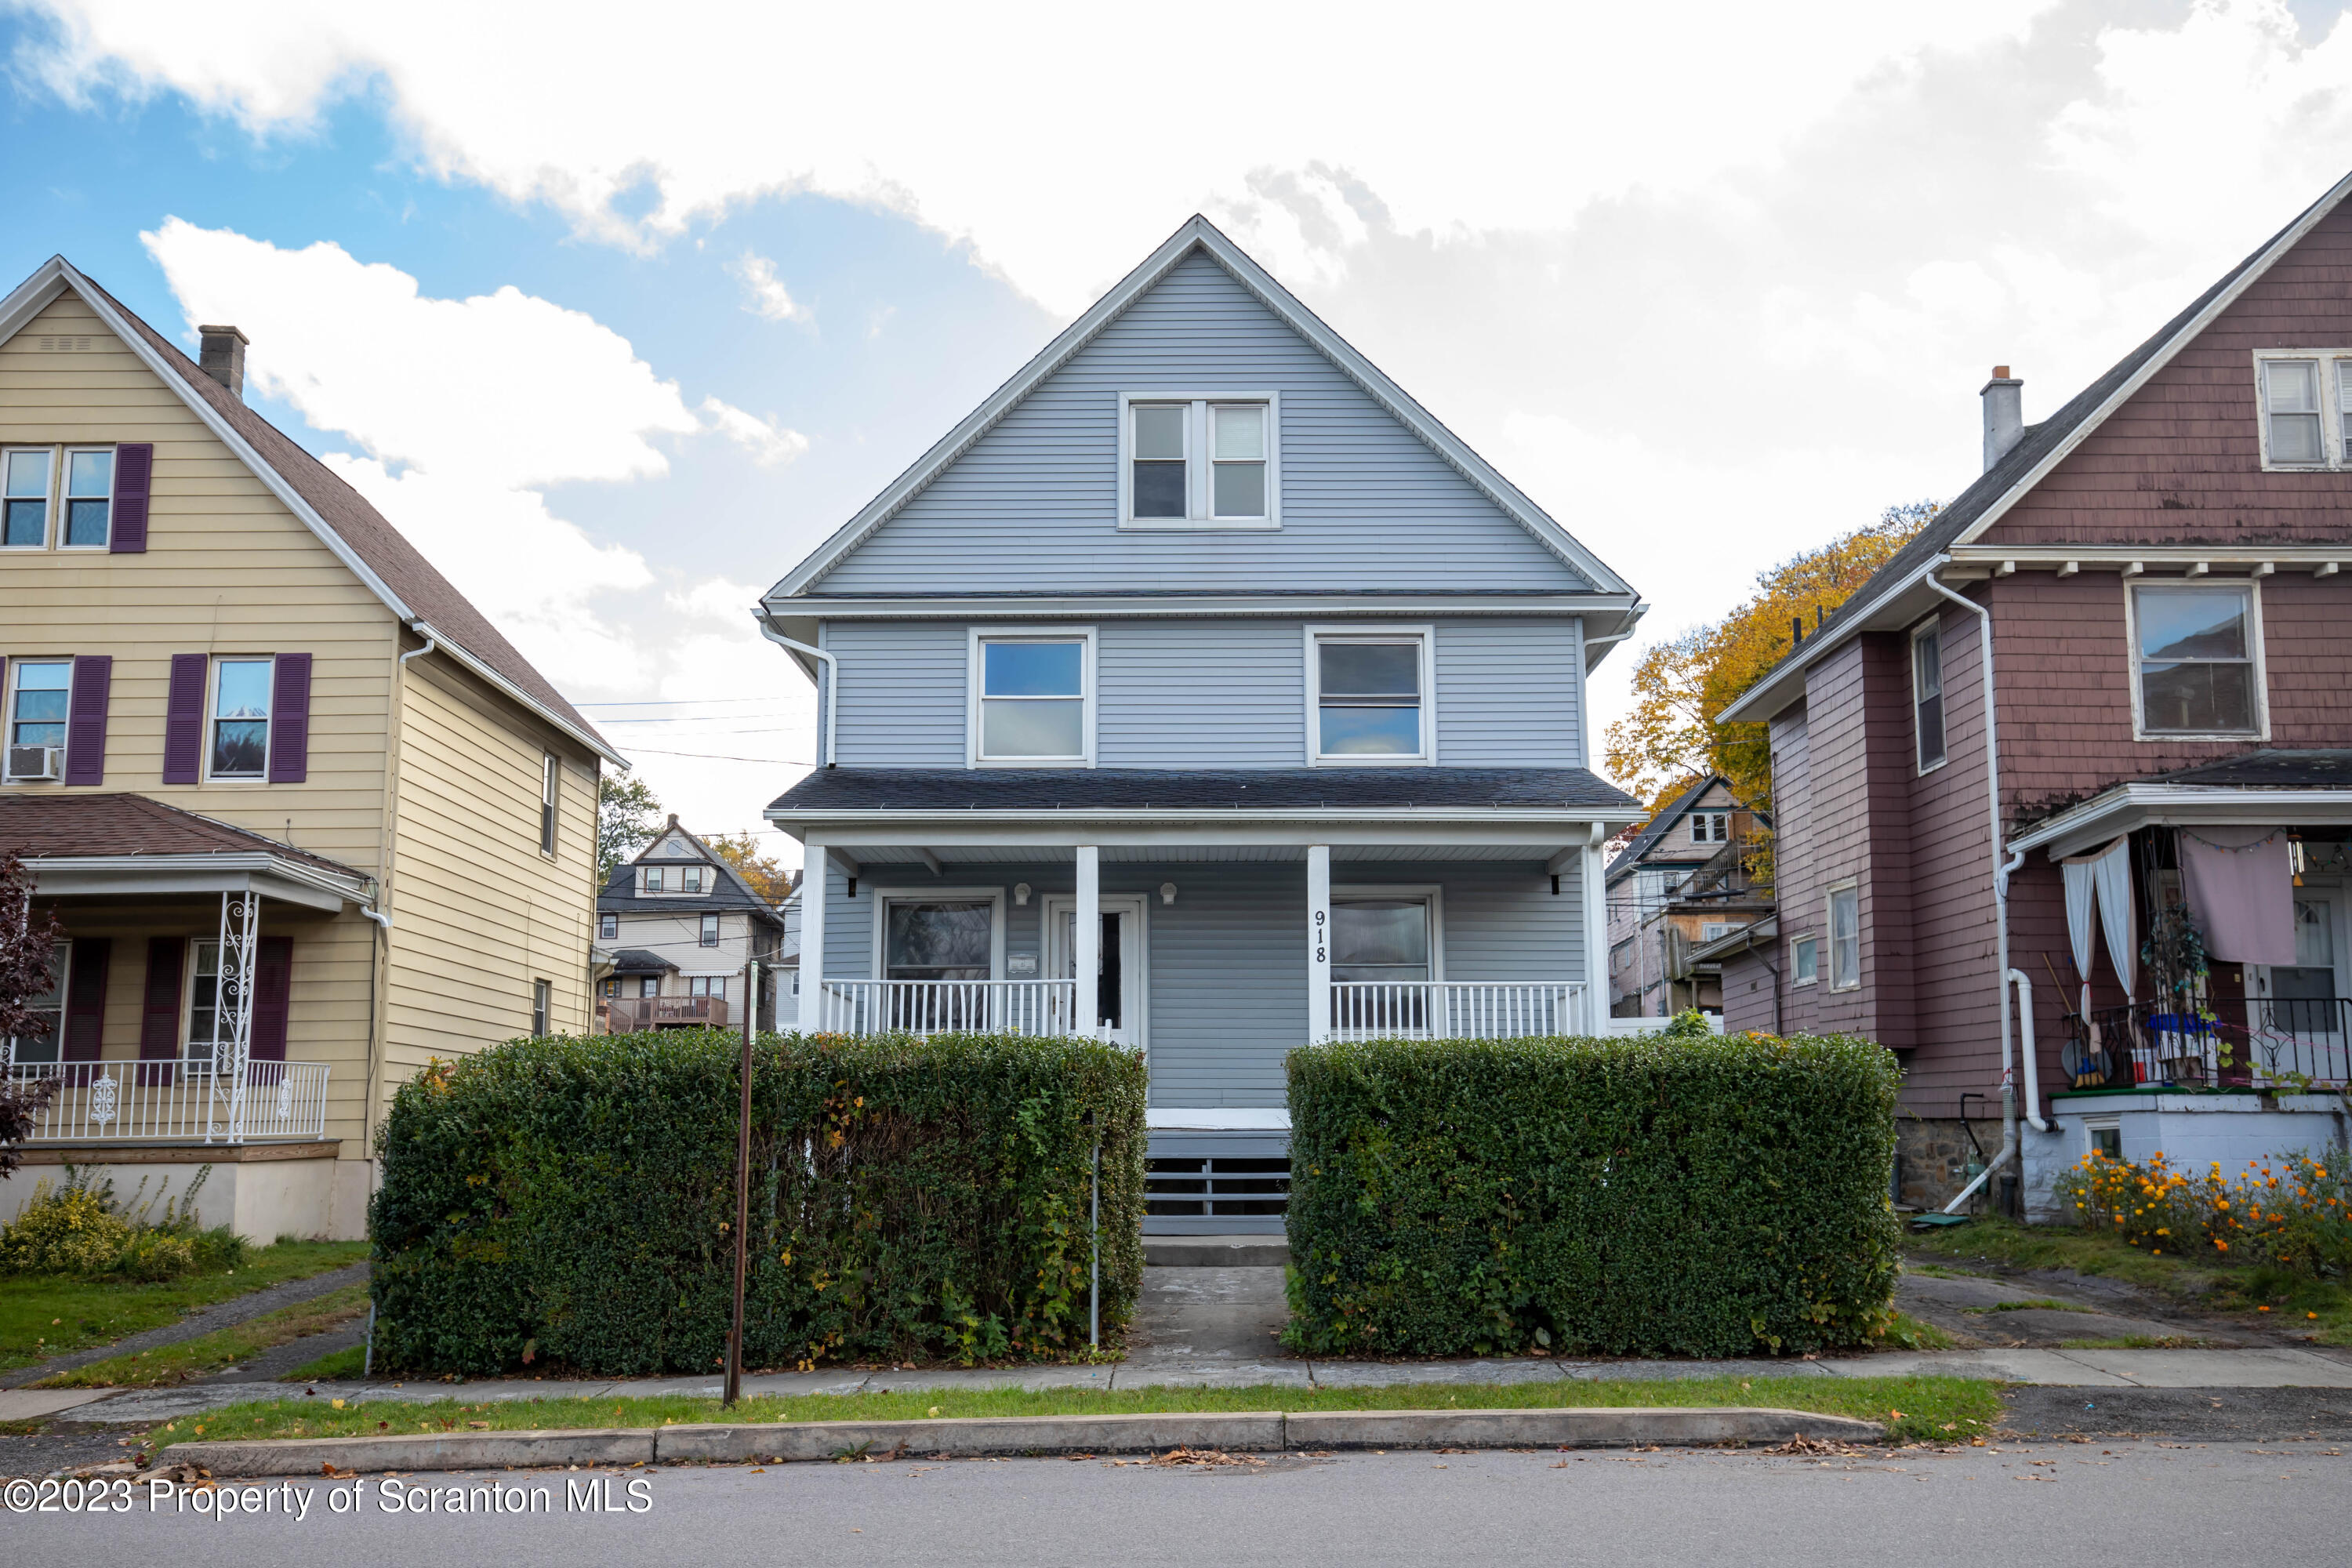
[690, 878]
[651, 880]
[1206, 461]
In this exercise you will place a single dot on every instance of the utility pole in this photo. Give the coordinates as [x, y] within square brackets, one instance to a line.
[734, 1389]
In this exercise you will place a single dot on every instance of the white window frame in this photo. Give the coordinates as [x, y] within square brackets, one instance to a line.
[608, 926]
[63, 957]
[542, 1007]
[976, 691]
[650, 881]
[706, 981]
[708, 932]
[49, 500]
[8, 690]
[1805, 940]
[550, 795]
[2335, 451]
[1703, 824]
[61, 502]
[993, 896]
[1932, 627]
[1429, 893]
[1316, 635]
[1198, 515]
[211, 718]
[1829, 933]
[2254, 653]
[189, 1060]
[701, 887]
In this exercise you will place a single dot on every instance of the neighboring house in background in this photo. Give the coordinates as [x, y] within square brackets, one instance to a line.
[2158, 566]
[680, 924]
[307, 819]
[1202, 663]
[1680, 882]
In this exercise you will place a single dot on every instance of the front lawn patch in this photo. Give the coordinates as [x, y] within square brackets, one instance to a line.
[45, 1315]
[1915, 1409]
[168, 1365]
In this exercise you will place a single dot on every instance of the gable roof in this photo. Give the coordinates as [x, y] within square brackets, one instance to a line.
[2042, 448]
[379, 554]
[733, 891]
[1198, 234]
[1658, 826]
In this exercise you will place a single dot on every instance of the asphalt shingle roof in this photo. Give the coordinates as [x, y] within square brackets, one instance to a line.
[43, 826]
[2269, 769]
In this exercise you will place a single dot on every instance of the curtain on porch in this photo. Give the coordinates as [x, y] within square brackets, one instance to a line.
[2103, 877]
[2239, 884]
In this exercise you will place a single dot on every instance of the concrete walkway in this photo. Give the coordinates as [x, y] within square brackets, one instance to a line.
[222, 1315]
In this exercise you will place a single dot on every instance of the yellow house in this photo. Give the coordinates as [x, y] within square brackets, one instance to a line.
[306, 819]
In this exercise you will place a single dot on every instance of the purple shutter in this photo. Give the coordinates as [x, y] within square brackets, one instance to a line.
[183, 720]
[273, 988]
[93, 677]
[159, 1008]
[290, 719]
[134, 465]
[85, 1011]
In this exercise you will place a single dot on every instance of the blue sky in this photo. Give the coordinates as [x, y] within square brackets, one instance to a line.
[618, 335]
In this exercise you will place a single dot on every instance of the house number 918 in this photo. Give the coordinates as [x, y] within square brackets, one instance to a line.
[1318, 938]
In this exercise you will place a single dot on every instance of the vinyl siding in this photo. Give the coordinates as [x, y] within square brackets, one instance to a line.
[479, 913]
[1032, 506]
[1227, 962]
[1212, 694]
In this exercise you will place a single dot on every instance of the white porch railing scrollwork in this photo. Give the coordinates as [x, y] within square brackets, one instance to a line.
[1453, 1009]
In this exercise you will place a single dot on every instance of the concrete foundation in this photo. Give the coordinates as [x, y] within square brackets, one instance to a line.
[2193, 1131]
[261, 1190]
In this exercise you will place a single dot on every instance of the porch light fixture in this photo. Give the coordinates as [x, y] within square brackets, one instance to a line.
[1166, 892]
[1021, 894]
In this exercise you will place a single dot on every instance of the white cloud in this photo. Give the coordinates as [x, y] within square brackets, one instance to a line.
[764, 294]
[771, 444]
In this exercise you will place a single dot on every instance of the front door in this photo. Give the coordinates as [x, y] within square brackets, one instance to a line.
[2296, 1021]
[1118, 990]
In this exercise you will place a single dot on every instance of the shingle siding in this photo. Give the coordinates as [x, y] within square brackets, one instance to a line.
[1032, 506]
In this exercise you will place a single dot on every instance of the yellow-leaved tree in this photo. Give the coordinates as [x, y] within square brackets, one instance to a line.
[1671, 738]
[765, 872]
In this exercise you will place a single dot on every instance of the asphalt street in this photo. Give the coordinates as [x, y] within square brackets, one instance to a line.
[2144, 1502]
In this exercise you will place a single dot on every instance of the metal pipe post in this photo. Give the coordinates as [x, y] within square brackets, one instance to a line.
[734, 1389]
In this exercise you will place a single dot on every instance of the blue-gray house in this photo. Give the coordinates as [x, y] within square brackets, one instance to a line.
[1201, 662]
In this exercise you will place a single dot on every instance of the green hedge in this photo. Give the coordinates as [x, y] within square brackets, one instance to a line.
[1644, 1196]
[566, 1201]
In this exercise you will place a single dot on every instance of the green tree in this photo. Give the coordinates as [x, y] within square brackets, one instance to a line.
[627, 817]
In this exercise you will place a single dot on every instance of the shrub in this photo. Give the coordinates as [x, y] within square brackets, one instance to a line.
[83, 1229]
[1690, 1195]
[570, 1201]
[2293, 1210]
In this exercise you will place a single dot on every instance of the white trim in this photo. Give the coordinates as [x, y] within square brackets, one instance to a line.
[1139, 1027]
[1200, 460]
[49, 528]
[61, 504]
[1183, 605]
[2334, 453]
[1216, 1118]
[975, 693]
[211, 718]
[1542, 832]
[2134, 806]
[1198, 234]
[992, 897]
[1829, 932]
[1433, 894]
[55, 276]
[2261, 733]
[1805, 939]
[11, 685]
[1426, 635]
[271, 876]
[1932, 627]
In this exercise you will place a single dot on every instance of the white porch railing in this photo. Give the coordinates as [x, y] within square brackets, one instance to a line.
[1453, 1009]
[177, 1102]
[946, 1006]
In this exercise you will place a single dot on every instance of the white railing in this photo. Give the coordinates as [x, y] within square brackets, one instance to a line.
[177, 1102]
[1453, 1009]
[946, 1006]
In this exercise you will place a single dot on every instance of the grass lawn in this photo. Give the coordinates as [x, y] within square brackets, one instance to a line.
[346, 1365]
[2321, 1308]
[42, 1315]
[1924, 1409]
[223, 1348]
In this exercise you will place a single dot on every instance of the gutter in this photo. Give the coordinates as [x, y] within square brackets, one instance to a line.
[832, 679]
[457, 652]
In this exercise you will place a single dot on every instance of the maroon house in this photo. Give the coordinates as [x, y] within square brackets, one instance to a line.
[2133, 906]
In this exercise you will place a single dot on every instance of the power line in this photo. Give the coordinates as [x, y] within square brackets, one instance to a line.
[721, 757]
[678, 702]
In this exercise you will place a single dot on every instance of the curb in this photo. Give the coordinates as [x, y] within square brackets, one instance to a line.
[1253, 1431]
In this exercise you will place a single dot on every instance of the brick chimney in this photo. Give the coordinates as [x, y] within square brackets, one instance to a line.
[222, 355]
[2004, 415]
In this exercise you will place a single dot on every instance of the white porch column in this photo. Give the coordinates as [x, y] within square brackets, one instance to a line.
[1085, 940]
[1596, 933]
[1319, 944]
[812, 868]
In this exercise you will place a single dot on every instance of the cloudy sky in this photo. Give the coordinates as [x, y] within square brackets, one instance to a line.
[617, 320]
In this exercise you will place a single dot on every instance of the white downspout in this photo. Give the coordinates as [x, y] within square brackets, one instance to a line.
[2017, 977]
[2001, 866]
[832, 683]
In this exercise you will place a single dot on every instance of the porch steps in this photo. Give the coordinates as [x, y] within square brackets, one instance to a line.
[1215, 1252]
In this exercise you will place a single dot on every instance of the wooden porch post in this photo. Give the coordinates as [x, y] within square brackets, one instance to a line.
[1319, 944]
[811, 933]
[1085, 940]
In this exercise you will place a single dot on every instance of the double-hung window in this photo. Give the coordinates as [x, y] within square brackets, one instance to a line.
[2195, 648]
[41, 691]
[1805, 960]
[1200, 462]
[24, 478]
[90, 499]
[690, 878]
[550, 773]
[40, 1044]
[540, 995]
[1383, 950]
[2302, 402]
[1033, 698]
[205, 1002]
[651, 882]
[711, 931]
[1369, 697]
[239, 723]
[1846, 937]
[1927, 694]
[608, 928]
[1710, 826]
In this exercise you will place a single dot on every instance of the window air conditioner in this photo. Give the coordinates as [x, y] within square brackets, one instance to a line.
[28, 763]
